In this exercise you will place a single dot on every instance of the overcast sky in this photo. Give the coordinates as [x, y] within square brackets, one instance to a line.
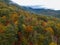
[52, 4]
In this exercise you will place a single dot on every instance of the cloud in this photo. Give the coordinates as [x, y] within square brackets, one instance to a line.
[52, 4]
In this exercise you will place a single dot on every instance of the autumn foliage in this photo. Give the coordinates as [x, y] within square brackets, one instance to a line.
[20, 27]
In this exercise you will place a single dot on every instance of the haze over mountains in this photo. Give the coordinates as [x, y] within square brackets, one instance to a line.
[50, 4]
[39, 9]
[42, 11]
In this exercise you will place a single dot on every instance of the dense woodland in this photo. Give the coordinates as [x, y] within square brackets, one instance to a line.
[20, 27]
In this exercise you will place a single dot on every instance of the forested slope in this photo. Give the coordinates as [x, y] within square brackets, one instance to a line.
[19, 27]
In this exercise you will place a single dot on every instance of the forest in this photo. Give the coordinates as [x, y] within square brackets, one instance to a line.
[20, 27]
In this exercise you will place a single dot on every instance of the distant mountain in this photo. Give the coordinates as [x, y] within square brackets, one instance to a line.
[48, 12]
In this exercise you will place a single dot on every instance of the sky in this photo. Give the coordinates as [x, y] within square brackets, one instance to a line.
[49, 4]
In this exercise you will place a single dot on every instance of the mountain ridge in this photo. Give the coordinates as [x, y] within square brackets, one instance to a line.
[43, 11]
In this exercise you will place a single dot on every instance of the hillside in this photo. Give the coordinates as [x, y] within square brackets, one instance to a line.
[20, 27]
